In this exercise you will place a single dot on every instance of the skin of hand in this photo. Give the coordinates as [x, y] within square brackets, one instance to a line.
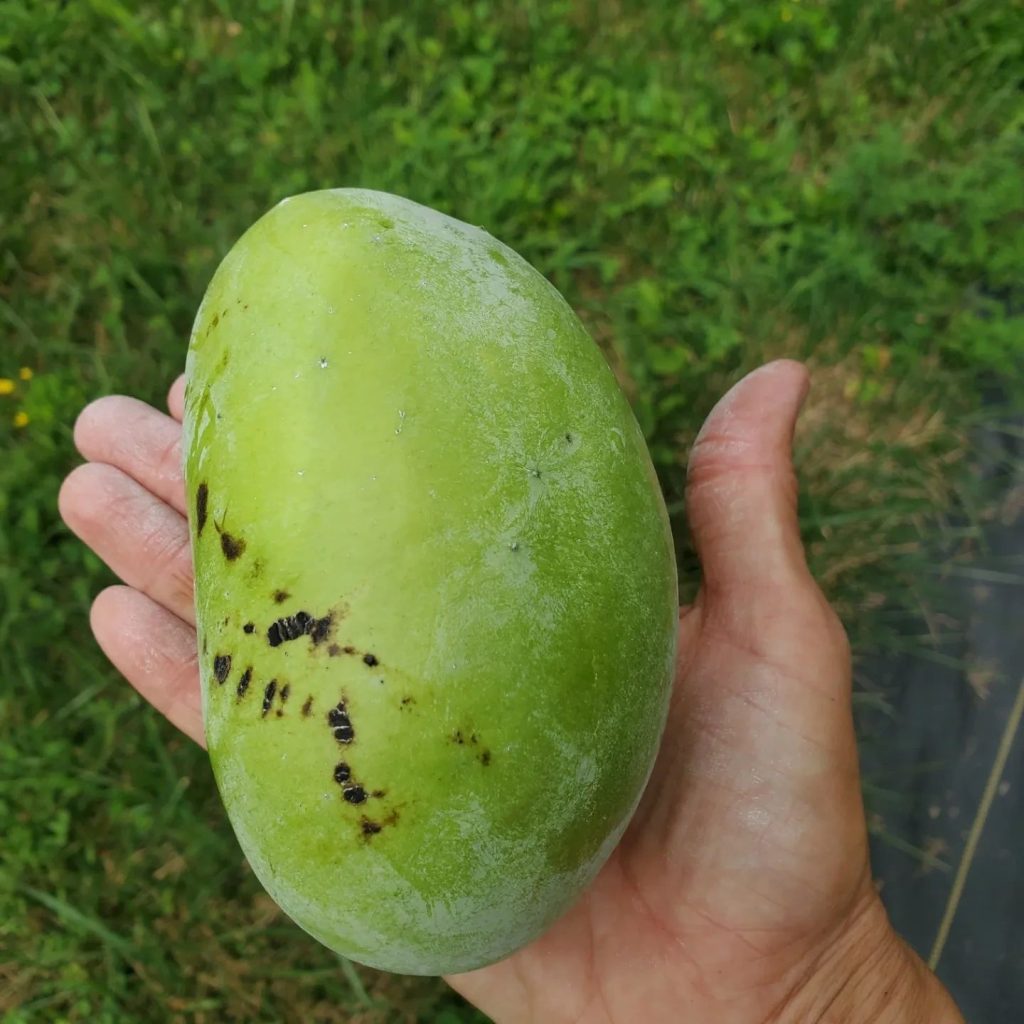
[741, 892]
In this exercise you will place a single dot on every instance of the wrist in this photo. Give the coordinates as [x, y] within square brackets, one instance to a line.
[869, 975]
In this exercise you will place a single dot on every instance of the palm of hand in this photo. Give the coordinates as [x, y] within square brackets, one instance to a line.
[747, 858]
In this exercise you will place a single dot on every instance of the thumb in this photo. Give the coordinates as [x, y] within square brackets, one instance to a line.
[741, 491]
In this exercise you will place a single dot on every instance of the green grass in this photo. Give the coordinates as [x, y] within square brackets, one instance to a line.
[709, 184]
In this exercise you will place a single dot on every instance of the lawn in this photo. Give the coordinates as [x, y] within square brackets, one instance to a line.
[709, 183]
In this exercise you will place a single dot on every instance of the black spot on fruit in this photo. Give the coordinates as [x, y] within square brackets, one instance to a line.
[342, 772]
[221, 667]
[569, 439]
[349, 649]
[292, 627]
[378, 793]
[286, 692]
[233, 547]
[202, 500]
[485, 758]
[370, 659]
[280, 596]
[268, 696]
[354, 793]
[340, 723]
[249, 627]
[370, 828]
[243, 683]
[458, 738]
[307, 708]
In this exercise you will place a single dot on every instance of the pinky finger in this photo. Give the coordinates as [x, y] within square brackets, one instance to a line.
[176, 399]
[155, 651]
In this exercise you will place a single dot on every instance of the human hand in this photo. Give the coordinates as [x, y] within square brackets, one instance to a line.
[741, 892]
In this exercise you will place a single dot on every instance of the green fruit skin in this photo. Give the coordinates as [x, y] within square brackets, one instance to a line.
[395, 426]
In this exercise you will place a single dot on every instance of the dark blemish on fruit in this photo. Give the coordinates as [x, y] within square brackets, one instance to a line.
[221, 667]
[280, 596]
[349, 649]
[243, 683]
[370, 828]
[249, 627]
[457, 737]
[485, 758]
[472, 739]
[321, 629]
[204, 644]
[202, 500]
[285, 692]
[307, 708]
[535, 472]
[342, 772]
[216, 320]
[385, 222]
[569, 438]
[406, 701]
[354, 793]
[231, 546]
[334, 650]
[280, 712]
[268, 696]
[378, 793]
[370, 659]
[291, 627]
[224, 621]
[257, 569]
[341, 724]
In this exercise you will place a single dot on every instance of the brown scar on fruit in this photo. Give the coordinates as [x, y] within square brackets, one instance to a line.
[307, 708]
[280, 596]
[334, 650]
[243, 683]
[485, 758]
[369, 827]
[202, 501]
[232, 546]
[221, 667]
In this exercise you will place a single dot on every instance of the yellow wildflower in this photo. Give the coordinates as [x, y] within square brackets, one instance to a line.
[21, 419]
[6, 385]
[25, 373]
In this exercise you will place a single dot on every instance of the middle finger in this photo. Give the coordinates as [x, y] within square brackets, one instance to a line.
[141, 538]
